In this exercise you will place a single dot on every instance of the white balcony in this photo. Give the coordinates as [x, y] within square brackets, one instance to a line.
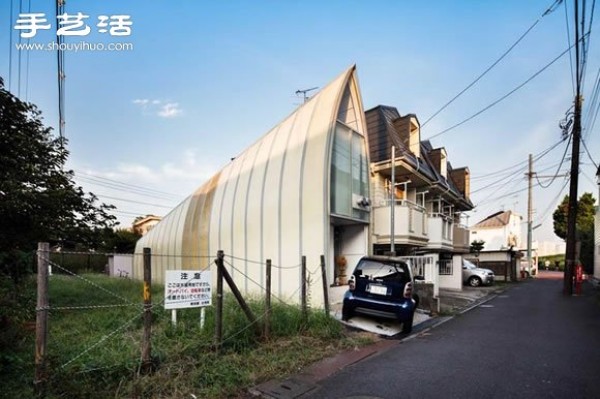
[461, 239]
[410, 227]
[440, 229]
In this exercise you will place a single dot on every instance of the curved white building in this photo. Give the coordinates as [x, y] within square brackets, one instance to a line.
[301, 189]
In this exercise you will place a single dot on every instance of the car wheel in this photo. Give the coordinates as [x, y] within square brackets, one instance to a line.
[474, 281]
[347, 313]
[407, 325]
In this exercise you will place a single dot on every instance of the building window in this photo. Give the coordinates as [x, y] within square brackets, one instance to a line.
[349, 173]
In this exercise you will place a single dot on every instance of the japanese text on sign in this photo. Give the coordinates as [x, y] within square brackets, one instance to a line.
[187, 289]
[73, 24]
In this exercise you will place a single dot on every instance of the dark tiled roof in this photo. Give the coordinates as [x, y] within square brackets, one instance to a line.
[381, 135]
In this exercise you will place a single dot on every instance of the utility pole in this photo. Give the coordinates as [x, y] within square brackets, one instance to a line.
[529, 214]
[393, 203]
[572, 208]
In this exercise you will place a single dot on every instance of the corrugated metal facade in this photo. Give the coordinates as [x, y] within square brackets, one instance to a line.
[271, 202]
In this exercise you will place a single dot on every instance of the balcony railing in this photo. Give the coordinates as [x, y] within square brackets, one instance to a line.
[461, 238]
[410, 223]
[440, 231]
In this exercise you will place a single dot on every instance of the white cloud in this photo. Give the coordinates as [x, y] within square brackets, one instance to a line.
[141, 101]
[170, 110]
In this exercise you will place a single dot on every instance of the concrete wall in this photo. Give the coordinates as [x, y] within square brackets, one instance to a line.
[453, 281]
[120, 265]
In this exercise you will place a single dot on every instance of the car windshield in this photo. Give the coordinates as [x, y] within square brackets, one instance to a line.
[469, 265]
[384, 271]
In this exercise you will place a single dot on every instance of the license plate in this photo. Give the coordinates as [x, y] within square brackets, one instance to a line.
[377, 289]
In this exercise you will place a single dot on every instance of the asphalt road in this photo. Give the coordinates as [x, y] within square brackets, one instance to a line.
[529, 342]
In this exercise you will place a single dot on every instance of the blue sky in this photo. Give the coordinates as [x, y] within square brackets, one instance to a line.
[206, 79]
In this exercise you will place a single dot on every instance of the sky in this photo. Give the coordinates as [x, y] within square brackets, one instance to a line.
[204, 80]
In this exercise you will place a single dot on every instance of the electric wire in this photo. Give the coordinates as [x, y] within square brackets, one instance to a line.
[20, 55]
[553, 202]
[548, 11]
[569, 43]
[535, 158]
[123, 185]
[588, 153]
[505, 96]
[10, 44]
[133, 201]
[558, 169]
[27, 59]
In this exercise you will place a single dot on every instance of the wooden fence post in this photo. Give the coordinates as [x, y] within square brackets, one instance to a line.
[219, 307]
[303, 297]
[41, 318]
[268, 302]
[146, 365]
[325, 285]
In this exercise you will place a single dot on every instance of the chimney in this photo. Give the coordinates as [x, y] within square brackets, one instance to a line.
[462, 179]
[409, 131]
[439, 160]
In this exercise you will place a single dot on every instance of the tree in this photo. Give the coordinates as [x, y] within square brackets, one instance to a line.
[39, 200]
[584, 226]
[477, 246]
[119, 240]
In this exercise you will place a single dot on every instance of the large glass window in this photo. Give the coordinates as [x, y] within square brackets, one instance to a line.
[349, 173]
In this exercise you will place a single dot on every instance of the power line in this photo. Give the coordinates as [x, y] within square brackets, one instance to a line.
[134, 202]
[588, 153]
[538, 156]
[569, 43]
[503, 97]
[548, 11]
[123, 184]
[558, 169]
[10, 45]
[551, 204]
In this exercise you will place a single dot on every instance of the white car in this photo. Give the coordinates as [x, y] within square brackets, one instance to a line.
[476, 276]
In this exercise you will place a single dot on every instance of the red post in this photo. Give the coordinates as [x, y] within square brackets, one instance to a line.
[578, 278]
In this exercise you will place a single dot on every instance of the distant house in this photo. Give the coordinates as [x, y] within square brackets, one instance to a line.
[500, 231]
[144, 225]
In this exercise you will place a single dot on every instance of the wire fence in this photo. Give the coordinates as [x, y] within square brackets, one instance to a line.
[104, 316]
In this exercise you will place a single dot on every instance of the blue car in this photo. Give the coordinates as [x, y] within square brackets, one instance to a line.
[382, 287]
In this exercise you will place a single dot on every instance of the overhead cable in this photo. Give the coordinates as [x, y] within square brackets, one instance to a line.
[503, 97]
[557, 170]
[548, 11]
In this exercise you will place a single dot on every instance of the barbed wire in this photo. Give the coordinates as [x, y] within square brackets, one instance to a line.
[89, 282]
[85, 307]
[95, 253]
[263, 288]
[263, 263]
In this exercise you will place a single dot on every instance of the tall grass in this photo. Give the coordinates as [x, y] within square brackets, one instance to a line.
[93, 353]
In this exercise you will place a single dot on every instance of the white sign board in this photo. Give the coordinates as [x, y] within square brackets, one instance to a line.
[187, 289]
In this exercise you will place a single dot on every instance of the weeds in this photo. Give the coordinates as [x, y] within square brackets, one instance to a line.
[185, 361]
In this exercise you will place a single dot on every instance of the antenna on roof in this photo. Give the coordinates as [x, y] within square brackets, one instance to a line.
[305, 91]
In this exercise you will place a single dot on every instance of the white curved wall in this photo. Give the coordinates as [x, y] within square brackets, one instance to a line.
[271, 202]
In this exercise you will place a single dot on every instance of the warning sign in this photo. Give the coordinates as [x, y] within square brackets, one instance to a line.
[187, 289]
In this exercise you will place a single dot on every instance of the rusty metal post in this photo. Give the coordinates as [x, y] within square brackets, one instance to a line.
[146, 365]
[219, 305]
[325, 285]
[268, 302]
[303, 298]
[41, 319]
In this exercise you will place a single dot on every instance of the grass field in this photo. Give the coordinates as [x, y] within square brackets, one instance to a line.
[94, 352]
